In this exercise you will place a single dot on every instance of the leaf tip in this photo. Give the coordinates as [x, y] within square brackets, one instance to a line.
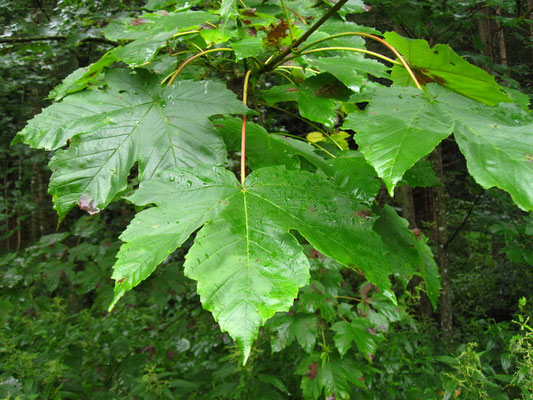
[389, 294]
[390, 188]
[19, 138]
[246, 349]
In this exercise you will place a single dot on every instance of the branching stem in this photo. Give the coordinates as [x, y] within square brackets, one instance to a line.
[269, 65]
[298, 67]
[298, 15]
[193, 58]
[185, 33]
[377, 39]
[282, 73]
[355, 49]
[349, 298]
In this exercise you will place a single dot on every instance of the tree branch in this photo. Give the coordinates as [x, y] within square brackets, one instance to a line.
[15, 40]
[272, 63]
[468, 213]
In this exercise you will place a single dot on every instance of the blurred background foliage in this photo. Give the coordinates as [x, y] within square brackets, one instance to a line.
[58, 342]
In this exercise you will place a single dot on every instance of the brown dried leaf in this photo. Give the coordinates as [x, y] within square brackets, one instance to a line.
[277, 33]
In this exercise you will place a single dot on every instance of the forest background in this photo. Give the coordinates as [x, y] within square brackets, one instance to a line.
[57, 341]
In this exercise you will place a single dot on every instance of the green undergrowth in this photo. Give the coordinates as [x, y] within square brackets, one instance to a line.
[58, 342]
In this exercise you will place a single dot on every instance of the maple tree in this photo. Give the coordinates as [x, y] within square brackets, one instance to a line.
[161, 101]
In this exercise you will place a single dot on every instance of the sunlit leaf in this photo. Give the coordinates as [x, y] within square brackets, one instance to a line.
[400, 126]
[247, 263]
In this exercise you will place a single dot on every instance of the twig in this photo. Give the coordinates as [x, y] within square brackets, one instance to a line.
[14, 40]
[468, 213]
[349, 298]
[176, 73]
[268, 66]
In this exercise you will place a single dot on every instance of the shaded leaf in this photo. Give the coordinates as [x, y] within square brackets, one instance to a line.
[354, 174]
[264, 149]
[442, 65]
[291, 327]
[314, 299]
[356, 332]
[317, 97]
[227, 8]
[150, 32]
[351, 7]
[82, 77]
[249, 47]
[333, 379]
[421, 175]
[333, 27]
[108, 133]
[351, 70]
[408, 250]
[400, 240]
[428, 270]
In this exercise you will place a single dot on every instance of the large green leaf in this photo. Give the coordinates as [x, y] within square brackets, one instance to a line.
[247, 263]
[442, 65]
[400, 126]
[497, 143]
[149, 32]
[134, 120]
[156, 232]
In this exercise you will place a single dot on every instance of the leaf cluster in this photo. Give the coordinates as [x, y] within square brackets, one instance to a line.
[138, 115]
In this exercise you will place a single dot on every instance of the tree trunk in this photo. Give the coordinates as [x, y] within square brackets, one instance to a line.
[485, 32]
[501, 40]
[409, 213]
[440, 236]
[408, 205]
